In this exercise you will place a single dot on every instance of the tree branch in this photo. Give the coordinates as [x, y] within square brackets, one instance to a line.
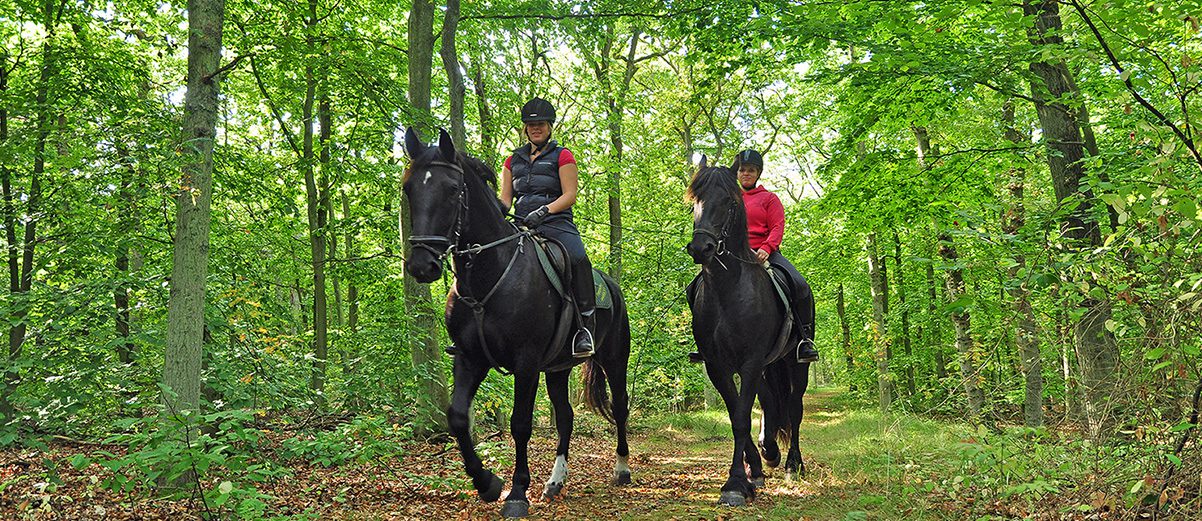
[274, 112]
[1126, 76]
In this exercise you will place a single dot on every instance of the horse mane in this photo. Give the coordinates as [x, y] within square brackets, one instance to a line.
[713, 185]
[473, 169]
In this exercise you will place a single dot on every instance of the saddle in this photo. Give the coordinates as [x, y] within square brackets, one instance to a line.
[553, 258]
[780, 282]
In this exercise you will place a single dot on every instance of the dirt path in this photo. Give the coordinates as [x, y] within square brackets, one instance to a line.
[678, 471]
[679, 464]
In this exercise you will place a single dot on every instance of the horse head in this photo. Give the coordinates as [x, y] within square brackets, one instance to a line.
[435, 187]
[717, 207]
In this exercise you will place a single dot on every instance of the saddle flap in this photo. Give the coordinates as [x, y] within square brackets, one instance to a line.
[780, 281]
[554, 260]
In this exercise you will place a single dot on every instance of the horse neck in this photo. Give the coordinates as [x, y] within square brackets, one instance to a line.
[484, 224]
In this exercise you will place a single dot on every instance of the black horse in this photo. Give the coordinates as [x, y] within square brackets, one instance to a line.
[504, 313]
[739, 324]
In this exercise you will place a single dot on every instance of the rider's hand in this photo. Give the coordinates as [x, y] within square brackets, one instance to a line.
[761, 255]
[536, 217]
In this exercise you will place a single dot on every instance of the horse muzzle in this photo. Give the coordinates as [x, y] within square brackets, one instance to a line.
[702, 248]
[423, 265]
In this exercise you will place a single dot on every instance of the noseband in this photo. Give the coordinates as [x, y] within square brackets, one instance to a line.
[719, 239]
[442, 246]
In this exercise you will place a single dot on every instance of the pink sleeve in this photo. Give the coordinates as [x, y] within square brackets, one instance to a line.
[508, 161]
[776, 222]
[566, 158]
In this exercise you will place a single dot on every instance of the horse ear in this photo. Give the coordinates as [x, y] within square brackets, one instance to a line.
[413, 143]
[446, 145]
[701, 165]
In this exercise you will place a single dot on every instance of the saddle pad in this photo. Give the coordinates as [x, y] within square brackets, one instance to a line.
[605, 299]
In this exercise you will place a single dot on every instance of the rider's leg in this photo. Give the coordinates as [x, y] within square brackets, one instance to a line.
[802, 302]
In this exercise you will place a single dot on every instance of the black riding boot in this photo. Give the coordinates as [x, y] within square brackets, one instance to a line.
[805, 349]
[586, 302]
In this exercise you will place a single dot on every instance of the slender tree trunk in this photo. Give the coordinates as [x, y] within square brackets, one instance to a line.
[21, 270]
[1097, 350]
[845, 342]
[425, 352]
[933, 322]
[316, 215]
[487, 142]
[905, 313]
[880, 315]
[969, 374]
[189, 267]
[450, 62]
[1027, 334]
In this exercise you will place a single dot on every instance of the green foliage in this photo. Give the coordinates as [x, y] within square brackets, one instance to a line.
[362, 440]
[224, 465]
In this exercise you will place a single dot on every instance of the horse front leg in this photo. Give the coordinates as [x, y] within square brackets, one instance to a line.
[557, 391]
[749, 384]
[468, 376]
[521, 426]
[737, 489]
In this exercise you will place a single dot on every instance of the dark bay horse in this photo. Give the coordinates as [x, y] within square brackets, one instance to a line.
[737, 323]
[503, 313]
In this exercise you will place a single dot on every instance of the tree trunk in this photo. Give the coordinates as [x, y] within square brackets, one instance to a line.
[21, 271]
[905, 314]
[317, 221]
[425, 352]
[1097, 350]
[880, 333]
[961, 320]
[845, 342]
[450, 62]
[933, 321]
[189, 267]
[1027, 334]
[487, 142]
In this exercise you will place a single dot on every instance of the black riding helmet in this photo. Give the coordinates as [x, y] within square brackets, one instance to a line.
[538, 109]
[749, 157]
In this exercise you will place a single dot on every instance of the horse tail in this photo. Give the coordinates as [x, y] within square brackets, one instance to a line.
[776, 378]
[596, 393]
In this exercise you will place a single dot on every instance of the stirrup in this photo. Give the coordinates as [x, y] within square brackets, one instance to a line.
[451, 349]
[696, 358]
[575, 342]
[801, 347]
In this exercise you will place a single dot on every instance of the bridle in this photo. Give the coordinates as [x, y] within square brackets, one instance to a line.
[719, 239]
[442, 246]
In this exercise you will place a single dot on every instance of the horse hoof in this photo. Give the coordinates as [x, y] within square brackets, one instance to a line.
[732, 498]
[494, 490]
[758, 482]
[552, 490]
[622, 478]
[771, 463]
[515, 508]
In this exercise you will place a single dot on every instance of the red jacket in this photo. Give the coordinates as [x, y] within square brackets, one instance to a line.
[765, 219]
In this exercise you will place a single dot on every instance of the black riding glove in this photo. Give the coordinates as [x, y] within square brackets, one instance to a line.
[536, 217]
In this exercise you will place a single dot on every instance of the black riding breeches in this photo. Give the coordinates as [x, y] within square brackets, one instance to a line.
[802, 297]
[564, 231]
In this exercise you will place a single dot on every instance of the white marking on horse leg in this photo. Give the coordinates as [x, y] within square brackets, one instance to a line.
[621, 466]
[427, 178]
[559, 474]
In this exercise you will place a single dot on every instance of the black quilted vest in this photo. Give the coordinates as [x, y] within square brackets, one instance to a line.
[537, 183]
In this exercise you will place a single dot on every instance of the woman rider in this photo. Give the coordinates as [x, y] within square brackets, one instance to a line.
[765, 229]
[543, 178]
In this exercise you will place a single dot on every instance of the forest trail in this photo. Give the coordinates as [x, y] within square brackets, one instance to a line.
[861, 466]
[679, 463]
